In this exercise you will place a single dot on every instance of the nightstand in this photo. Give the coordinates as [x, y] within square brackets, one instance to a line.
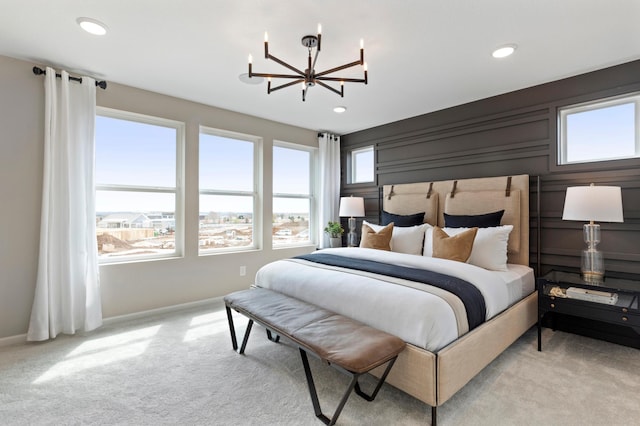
[619, 311]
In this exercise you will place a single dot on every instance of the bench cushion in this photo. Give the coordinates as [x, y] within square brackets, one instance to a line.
[334, 338]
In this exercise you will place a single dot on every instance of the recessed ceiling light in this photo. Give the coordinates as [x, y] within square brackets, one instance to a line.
[92, 26]
[339, 109]
[504, 51]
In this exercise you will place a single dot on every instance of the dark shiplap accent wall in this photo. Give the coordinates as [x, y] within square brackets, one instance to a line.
[514, 133]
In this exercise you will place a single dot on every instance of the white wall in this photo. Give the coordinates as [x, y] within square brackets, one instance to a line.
[130, 287]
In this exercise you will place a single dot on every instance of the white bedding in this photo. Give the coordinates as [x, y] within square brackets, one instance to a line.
[420, 318]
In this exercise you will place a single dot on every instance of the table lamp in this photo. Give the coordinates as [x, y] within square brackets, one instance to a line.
[593, 203]
[352, 207]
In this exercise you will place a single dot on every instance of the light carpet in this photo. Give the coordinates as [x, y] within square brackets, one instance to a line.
[179, 369]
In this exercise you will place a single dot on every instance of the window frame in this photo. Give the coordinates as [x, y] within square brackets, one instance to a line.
[353, 166]
[255, 193]
[312, 197]
[178, 190]
[593, 105]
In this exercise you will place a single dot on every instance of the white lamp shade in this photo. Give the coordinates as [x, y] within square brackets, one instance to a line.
[351, 207]
[593, 203]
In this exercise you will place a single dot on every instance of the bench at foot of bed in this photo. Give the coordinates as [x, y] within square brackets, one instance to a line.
[347, 345]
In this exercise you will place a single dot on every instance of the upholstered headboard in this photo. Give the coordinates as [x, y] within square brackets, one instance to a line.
[469, 197]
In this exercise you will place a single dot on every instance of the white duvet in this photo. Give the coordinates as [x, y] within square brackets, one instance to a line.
[418, 317]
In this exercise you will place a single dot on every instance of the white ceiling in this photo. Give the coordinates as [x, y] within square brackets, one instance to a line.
[423, 55]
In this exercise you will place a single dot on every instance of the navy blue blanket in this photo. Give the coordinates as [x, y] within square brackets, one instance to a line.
[471, 297]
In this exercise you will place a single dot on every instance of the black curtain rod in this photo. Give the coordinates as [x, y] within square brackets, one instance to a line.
[40, 71]
[331, 137]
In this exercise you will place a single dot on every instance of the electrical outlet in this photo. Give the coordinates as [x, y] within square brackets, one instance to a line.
[243, 271]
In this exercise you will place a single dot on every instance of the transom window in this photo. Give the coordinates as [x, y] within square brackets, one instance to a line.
[601, 130]
[362, 165]
[138, 186]
[293, 200]
[228, 191]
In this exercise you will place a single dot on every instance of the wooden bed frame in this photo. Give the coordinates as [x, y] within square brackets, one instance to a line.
[435, 377]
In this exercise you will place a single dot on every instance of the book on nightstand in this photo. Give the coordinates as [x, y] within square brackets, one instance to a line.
[592, 295]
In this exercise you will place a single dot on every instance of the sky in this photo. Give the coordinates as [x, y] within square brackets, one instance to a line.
[134, 153]
[603, 133]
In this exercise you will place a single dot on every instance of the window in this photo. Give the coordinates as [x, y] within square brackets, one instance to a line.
[138, 186]
[602, 130]
[362, 162]
[292, 195]
[228, 191]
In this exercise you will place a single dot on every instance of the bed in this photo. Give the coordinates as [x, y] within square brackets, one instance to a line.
[443, 351]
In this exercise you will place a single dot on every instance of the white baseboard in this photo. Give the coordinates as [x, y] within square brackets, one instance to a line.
[163, 310]
[22, 338]
[13, 340]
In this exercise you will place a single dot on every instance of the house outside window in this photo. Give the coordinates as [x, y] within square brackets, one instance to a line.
[138, 186]
[293, 195]
[362, 165]
[606, 129]
[229, 214]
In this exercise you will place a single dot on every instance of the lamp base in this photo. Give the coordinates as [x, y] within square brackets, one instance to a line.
[352, 237]
[592, 277]
[592, 268]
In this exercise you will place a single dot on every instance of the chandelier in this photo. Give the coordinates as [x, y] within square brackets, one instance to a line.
[309, 77]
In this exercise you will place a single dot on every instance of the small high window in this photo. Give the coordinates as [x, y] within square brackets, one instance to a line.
[606, 129]
[362, 165]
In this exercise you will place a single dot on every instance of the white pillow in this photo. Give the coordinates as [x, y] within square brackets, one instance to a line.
[489, 247]
[405, 239]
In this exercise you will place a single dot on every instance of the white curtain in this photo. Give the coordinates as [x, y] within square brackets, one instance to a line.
[329, 188]
[67, 297]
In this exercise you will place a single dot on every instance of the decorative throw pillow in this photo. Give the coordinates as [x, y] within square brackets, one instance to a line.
[489, 247]
[457, 247]
[376, 240]
[404, 239]
[470, 221]
[402, 220]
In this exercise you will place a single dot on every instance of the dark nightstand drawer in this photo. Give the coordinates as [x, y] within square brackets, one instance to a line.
[600, 312]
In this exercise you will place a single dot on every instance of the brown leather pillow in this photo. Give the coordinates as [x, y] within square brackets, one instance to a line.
[380, 240]
[456, 248]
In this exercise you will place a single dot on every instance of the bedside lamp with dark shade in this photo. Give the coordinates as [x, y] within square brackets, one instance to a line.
[352, 207]
[593, 203]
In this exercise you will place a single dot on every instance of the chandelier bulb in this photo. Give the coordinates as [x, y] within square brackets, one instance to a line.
[266, 36]
[361, 43]
[250, 59]
[319, 28]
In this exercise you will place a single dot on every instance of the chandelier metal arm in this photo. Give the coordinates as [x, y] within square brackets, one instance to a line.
[262, 74]
[340, 68]
[326, 86]
[286, 65]
[315, 59]
[282, 86]
[345, 80]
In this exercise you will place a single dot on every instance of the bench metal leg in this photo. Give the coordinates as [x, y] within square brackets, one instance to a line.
[314, 394]
[234, 341]
[380, 382]
[434, 417]
[246, 337]
[270, 337]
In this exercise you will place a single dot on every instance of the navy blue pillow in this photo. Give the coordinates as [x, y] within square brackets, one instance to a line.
[486, 220]
[402, 220]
